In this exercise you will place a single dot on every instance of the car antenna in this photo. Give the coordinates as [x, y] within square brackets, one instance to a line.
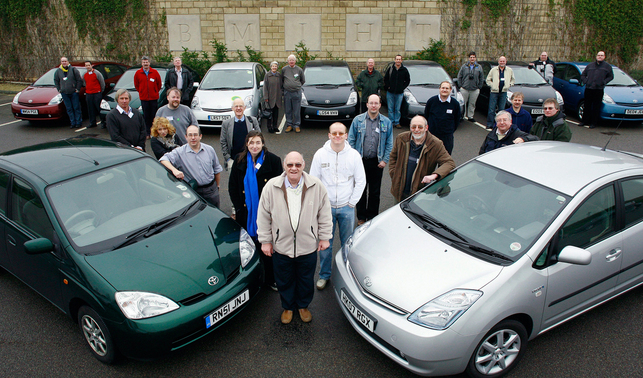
[614, 132]
[91, 160]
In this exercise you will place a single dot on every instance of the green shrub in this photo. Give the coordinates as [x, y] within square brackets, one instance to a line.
[303, 54]
[436, 52]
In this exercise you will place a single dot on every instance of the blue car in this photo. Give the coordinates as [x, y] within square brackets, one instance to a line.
[623, 99]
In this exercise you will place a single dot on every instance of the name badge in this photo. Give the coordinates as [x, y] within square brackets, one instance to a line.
[257, 166]
[296, 76]
[449, 111]
[64, 78]
[502, 79]
[377, 130]
[152, 80]
[170, 118]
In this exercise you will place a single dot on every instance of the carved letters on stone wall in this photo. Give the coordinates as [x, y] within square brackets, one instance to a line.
[363, 32]
[242, 30]
[303, 27]
[420, 29]
[184, 31]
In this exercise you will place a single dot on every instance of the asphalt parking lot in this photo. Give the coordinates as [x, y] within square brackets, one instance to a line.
[38, 340]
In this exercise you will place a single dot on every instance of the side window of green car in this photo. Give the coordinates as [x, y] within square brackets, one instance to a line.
[4, 186]
[28, 211]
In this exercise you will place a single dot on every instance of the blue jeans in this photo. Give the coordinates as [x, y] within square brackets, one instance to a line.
[394, 103]
[72, 103]
[344, 217]
[495, 99]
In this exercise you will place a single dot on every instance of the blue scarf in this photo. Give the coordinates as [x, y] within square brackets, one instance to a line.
[252, 193]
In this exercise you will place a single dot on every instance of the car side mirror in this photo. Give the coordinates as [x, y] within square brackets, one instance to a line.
[195, 85]
[38, 246]
[574, 81]
[261, 84]
[575, 255]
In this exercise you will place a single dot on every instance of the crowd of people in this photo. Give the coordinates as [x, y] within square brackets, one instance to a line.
[290, 214]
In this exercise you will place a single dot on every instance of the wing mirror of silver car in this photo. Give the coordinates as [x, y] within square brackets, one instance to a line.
[575, 255]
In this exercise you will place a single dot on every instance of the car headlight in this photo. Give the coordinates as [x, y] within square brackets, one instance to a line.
[304, 102]
[410, 99]
[195, 103]
[15, 98]
[141, 305]
[249, 100]
[509, 96]
[607, 99]
[459, 97]
[246, 247]
[444, 310]
[351, 239]
[559, 99]
[140, 108]
[56, 100]
[105, 105]
[352, 99]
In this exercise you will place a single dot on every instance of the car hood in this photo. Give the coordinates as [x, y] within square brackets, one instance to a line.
[327, 95]
[423, 93]
[624, 95]
[407, 266]
[534, 94]
[37, 95]
[220, 99]
[177, 262]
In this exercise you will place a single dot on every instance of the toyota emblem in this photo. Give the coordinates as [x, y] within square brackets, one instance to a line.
[30, 101]
[367, 281]
[212, 281]
[327, 101]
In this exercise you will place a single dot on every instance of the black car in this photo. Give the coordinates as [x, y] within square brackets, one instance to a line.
[329, 93]
[528, 81]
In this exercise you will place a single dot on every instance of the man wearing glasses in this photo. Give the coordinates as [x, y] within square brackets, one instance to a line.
[340, 169]
[552, 125]
[417, 158]
[293, 224]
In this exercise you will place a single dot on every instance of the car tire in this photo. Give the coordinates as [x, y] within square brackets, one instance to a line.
[580, 110]
[97, 335]
[491, 360]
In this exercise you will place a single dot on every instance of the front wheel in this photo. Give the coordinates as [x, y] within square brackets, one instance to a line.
[97, 335]
[499, 351]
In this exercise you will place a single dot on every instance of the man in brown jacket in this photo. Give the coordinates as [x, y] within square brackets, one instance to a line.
[417, 158]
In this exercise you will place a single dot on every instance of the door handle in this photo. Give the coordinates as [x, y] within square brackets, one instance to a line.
[11, 240]
[613, 255]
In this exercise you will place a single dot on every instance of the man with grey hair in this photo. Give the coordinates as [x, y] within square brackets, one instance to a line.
[126, 124]
[147, 82]
[504, 134]
[292, 79]
[181, 78]
[545, 67]
[370, 81]
[234, 131]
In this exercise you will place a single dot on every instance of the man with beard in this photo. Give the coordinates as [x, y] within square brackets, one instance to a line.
[180, 116]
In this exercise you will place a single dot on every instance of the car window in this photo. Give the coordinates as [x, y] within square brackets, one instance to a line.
[258, 75]
[328, 75]
[110, 70]
[572, 73]
[228, 79]
[592, 221]
[633, 201]
[427, 75]
[28, 211]
[4, 186]
[486, 67]
[46, 80]
[621, 79]
[560, 71]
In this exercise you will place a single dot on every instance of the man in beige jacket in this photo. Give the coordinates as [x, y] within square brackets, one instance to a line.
[500, 79]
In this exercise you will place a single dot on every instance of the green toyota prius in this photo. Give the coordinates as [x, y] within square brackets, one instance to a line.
[109, 236]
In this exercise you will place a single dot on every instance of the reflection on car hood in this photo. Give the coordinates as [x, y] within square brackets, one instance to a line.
[408, 267]
[423, 94]
[622, 95]
[221, 99]
[534, 94]
[327, 95]
[176, 262]
[38, 95]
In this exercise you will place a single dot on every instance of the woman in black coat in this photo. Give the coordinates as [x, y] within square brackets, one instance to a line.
[245, 187]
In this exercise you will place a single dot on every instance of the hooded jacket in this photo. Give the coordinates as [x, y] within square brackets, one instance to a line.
[342, 173]
[552, 128]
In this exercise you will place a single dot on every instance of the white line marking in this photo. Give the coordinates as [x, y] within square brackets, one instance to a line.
[8, 103]
[81, 129]
[9, 123]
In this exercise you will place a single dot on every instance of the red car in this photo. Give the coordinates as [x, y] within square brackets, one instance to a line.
[41, 101]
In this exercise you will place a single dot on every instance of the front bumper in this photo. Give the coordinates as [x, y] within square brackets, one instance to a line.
[421, 350]
[329, 114]
[620, 112]
[153, 337]
[44, 112]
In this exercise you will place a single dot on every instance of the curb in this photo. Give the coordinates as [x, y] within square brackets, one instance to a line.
[8, 92]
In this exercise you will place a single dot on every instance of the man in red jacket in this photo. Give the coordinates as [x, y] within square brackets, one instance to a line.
[94, 87]
[147, 82]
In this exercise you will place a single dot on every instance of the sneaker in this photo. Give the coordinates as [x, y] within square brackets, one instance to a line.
[305, 315]
[471, 119]
[288, 129]
[297, 129]
[321, 284]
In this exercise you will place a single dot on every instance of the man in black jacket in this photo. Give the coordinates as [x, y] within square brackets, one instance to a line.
[181, 78]
[396, 79]
[595, 76]
[443, 115]
[504, 134]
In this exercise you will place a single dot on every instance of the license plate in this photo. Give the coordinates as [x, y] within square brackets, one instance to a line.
[327, 112]
[29, 111]
[218, 117]
[537, 111]
[634, 111]
[226, 309]
[358, 314]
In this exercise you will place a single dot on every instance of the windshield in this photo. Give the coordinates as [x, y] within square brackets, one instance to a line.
[490, 208]
[99, 210]
[423, 75]
[47, 80]
[328, 75]
[218, 79]
[621, 79]
[527, 76]
[127, 80]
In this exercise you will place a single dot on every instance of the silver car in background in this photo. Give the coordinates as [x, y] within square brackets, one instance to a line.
[212, 102]
[509, 245]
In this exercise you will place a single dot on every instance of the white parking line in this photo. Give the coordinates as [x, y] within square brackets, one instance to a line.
[570, 121]
[9, 123]
[8, 103]
[281, 124]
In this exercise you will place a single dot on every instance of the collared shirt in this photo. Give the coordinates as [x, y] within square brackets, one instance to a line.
[447, 100]
[128, 112]
[146, 72]
[243, 118]
[293, 196]
[179, 79]
[371, 137]
[201, 166]
[500, 135]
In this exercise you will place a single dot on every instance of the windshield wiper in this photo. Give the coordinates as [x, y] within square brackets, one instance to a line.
[427, 85]
[484, 250]
[434, 222]
[325, 85]
[219, 89]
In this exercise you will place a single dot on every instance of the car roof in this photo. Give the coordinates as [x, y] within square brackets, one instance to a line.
[233, 65]
[510, 63]
[583, 64]
[418, 63]
[564, 167]
[60, 160]
[322, 62]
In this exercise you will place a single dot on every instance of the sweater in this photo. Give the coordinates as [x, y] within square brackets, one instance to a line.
[443, 117]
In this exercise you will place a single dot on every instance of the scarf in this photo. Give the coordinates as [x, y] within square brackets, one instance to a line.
[63, 68]
[252, 193]
[168, 142]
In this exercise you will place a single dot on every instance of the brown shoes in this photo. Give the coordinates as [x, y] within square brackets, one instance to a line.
[360, 222]
[297, 129]
[304, 314]
[286, 316]
[398, 126]
[288, 129]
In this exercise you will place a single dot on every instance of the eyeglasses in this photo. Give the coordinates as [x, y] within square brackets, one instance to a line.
[549, 108]
[337, 133]
[290, 165]
[192, 135]
[417, 127]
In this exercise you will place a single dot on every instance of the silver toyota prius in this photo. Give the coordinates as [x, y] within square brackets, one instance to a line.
[511, 244]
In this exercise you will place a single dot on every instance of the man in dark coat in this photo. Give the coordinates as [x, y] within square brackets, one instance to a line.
[181, 78]
[595, 77]
[126, 124]
[504, 134]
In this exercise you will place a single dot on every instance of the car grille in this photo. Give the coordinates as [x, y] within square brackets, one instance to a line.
[630, 105]
[201, 296]
[318, 105]
[534, 104]
[211, 110]
[374, 297]
[32, 104]
[381, 341]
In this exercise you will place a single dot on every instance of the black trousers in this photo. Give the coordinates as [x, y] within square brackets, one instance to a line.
[93, 106]
[149, 112]
[295, 279]
[447, 140]
[369, 205]
[593, 103]
[209, 193]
